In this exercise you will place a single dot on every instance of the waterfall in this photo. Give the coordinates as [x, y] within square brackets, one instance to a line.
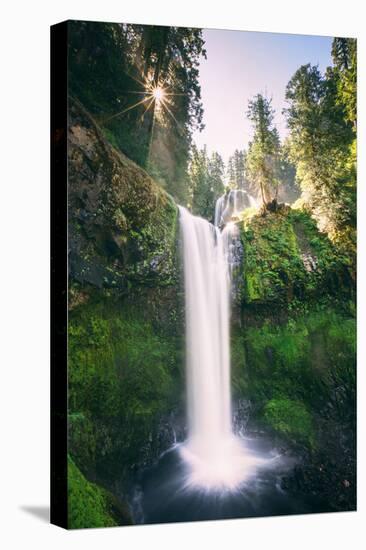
[216, 457]
[207, 328]
[231, 204]
[218, 210]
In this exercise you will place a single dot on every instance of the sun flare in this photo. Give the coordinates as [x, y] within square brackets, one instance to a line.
[158, 94]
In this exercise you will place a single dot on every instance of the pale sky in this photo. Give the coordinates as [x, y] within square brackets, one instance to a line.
[241, 64]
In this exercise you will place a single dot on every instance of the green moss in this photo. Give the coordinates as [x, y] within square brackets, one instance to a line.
[82, 441]
[123, 376]
[309, 359]
[298, 365]
[154, 242]
[239, 368]
[90, 505]
[286, 258]
[109, 353]
[291, 419]
[111, 137]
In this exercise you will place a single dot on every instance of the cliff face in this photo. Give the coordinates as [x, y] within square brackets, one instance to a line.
[294, 346]
[125, 333]
[122, 225]
[288, 261]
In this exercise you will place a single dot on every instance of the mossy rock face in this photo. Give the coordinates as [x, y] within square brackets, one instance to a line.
[294, 333]
[125, 351]
[294, 348]
[287, 259]
[124, 376]
[309, 361]
[82, 442]
[239, 365]
[90, 505]
[122, 225]
[291, 419]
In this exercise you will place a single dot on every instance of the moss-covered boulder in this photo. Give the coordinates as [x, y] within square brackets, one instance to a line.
[89, 505]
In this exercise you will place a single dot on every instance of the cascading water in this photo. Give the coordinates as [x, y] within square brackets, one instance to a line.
[228, 209]
[231, 204]
[217, 458]
[207, 321]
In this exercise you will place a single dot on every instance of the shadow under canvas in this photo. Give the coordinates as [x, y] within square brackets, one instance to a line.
[40, 512]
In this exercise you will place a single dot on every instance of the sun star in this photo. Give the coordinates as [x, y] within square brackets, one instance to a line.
[158, 93]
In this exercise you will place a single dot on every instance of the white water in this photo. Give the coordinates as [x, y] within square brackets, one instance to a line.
[231, 204]
[228, 209]
[217, 459]
[230, 236]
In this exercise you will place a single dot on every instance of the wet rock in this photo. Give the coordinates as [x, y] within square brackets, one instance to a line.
[170, 430]
[241, 415]
[310, 262]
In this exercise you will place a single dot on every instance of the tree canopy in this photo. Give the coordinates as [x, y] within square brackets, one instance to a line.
[112, 67]
[263, 151]
[322, 143]
[206, 178]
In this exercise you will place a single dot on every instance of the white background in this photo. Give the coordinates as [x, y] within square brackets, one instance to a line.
[24, 303]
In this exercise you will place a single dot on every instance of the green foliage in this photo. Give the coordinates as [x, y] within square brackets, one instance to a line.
[111, 66]
[321, 146]
[287, 258]
[82, 442]
[288, 188]
[171, 60]
[100, 74]
[277, 359]
[291, 419]
[108, 355]
[90, 505]
[236, 171]
[153, 241]
[263, 152]
[206, 182]
[123, 376]
[344, 53]
[239, 367]
[302, 371]
[271, 260]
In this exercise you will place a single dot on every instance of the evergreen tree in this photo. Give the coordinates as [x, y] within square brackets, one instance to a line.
[239, 160]
[288, 190]
[216, 174]
[206, 176]
[198, 178]
[344, 54]
[111, 69]
[171, 58]
[320, 142]
[236, 170]
[263, 152]
[230, 173]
